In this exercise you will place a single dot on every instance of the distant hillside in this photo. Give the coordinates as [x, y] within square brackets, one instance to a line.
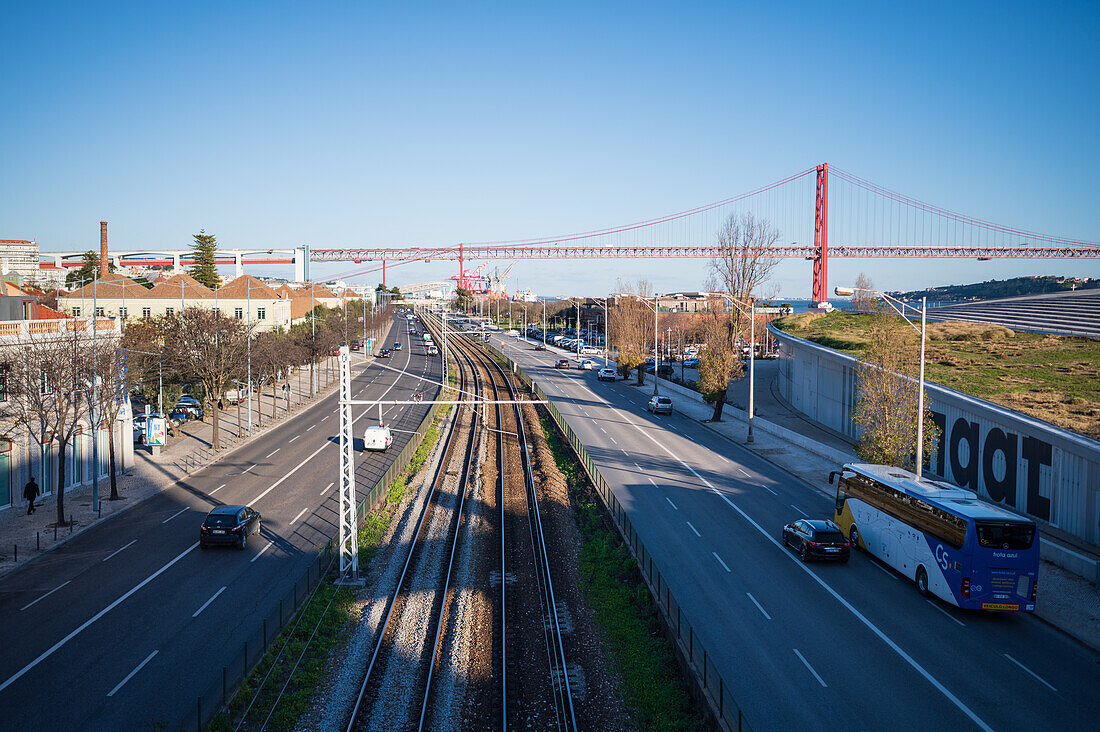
[994, 289]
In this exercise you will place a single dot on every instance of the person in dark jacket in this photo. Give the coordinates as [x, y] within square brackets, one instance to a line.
[30, 492]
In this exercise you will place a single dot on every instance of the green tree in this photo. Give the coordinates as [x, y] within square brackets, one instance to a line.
[204, 249]
[87, 271]
[464, 299]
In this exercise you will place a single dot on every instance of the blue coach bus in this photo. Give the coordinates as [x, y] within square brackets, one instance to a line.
[949, 542]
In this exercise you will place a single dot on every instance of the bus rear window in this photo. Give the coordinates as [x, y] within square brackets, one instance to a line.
[1005, 534]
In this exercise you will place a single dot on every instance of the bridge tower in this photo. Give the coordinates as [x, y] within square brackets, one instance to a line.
[821, 236]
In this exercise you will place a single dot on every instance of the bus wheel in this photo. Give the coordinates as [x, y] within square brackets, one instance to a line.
[922, 581]
[853, 537]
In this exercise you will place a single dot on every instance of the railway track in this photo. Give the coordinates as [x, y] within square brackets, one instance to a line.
[471, 636]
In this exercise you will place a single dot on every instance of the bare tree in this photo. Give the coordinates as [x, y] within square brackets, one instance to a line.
[745, 262]
[720, 361]
[886, 397]
[863, 300]
[209, 348]
[112, 391]
[631, 325]
[47, 382]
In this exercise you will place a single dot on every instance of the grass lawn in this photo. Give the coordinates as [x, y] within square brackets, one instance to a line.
[1053, 378]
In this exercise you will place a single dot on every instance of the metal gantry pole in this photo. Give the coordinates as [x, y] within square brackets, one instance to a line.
[349, 523]
[752, 368]
[655, 357]
[920, 392]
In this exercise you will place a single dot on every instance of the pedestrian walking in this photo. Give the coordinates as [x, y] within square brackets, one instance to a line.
[221, 406]
[30, 492]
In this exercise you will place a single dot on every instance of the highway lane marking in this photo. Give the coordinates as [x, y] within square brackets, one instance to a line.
[769, 490]
[603, 430]
[724, 566]
[292, 439]
[310, 427]
[131, 675]
[207, 603]
[260, 553]
[248, 468]
[949, 615]
[639, 467]
[326, 417]
[612, 439]
[272, 452]
[811, 668]
[742, 472]
[32, 602]
[694, 529]
[177, 513]
[217, 489]
[759, 606]
[671, 503]
[883, 569]
[796, 508]
[1037, 676]
[116, 551]
[651, 481]
[129, 593]
[726, 459]
[825, 586]
[295, 519]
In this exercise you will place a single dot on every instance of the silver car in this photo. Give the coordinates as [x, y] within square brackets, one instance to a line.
[660, 405]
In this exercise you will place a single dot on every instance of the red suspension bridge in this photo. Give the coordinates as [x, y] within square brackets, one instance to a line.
[821, 212]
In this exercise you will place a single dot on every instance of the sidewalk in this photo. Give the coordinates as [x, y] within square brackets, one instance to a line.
[24, 538]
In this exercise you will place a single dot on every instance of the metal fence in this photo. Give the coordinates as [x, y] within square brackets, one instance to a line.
[218, 693]
[706, 677]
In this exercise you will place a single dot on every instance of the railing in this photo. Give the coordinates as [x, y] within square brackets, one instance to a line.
[218, 693]
[706, 677]
[23, 328]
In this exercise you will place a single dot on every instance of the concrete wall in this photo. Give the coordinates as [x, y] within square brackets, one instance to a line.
[1018, 462]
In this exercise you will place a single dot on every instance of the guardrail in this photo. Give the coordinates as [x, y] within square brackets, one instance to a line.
[218, 693]
[709, 683]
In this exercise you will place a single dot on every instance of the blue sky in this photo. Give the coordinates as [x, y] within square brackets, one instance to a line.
[362, 124]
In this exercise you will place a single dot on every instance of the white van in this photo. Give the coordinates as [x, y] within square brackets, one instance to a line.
[377, 438]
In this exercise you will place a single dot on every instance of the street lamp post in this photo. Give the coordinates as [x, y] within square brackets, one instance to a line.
[848, 292]
[752, 358]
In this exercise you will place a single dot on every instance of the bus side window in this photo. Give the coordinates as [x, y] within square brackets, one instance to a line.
[840, 493]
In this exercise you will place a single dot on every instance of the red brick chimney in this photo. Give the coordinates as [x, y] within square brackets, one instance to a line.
[102, 248]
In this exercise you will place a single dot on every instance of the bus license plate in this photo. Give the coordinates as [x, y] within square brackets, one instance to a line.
[999, 606]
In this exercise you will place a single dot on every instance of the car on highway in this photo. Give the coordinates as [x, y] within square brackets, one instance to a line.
[384, 353]
[816, 539]
[433, 351]
[356, 345]
[563, 363]
[607, 374]
[540, 347]
[660, 405]
[397, 345]
[229, 526]
[588, 364]
[377, 438]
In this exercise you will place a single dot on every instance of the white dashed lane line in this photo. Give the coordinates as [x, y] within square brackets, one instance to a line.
[272, 452]
[769, 490]
[207, 603]
[671, 503]
[759, 606]
[258, 555]
[292, 439]
[950, 617]
[248, 468]
[177, 513]
[116, 551]
[742, 472]
[217, 489]
[811, 668]
[325, 417]
[43, 597]
[295, 519]
[310, 427]
[724, 566]
[796, 508]
[133, 673]
[327, 488]
[696, 531]
[1025, 668]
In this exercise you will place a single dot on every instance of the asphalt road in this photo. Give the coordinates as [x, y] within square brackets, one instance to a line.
[124, 626]
[808, 646]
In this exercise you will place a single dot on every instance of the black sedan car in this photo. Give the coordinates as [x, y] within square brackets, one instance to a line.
[229, 526]
[563, 363]
[816, 539]
[384, 353]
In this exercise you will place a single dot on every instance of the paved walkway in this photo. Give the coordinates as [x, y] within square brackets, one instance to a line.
[23, 537]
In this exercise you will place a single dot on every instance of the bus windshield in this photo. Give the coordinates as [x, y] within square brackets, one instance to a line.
[1005, 534]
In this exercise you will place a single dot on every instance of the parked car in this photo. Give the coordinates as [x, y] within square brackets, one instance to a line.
[384, 353]
[691, 363]
[588, 364]
[660, 405]
[189, 400]
[563, 363]
[230, 526]
[377, 438]
[397, 345]
[607, 374]
[185, 410]
[540, 347]
[816, 539]
[590, 349]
